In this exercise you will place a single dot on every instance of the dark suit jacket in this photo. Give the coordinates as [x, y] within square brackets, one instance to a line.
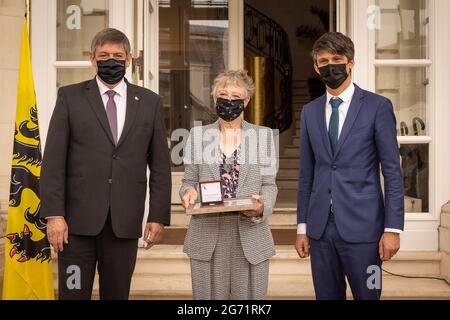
[84, 174]
[352, 176]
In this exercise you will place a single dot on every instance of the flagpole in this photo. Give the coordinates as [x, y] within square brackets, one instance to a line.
[27, 14]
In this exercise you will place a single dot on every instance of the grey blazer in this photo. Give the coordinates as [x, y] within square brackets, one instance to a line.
[258, 169]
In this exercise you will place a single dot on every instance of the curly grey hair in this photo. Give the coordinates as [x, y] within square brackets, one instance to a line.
[236, 77]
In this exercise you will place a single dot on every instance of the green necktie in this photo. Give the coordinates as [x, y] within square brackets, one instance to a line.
[333, 129]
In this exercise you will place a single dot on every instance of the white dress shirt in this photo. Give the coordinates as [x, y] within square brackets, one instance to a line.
[120, 98]
[346, 97]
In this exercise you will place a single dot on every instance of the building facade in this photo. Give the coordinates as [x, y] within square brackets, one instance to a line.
[179, 46]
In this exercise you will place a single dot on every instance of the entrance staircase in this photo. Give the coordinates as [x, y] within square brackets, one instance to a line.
[164, 272]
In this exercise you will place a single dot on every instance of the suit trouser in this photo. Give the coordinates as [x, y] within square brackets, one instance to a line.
[333, 259]
[229, 275]
[115, 259]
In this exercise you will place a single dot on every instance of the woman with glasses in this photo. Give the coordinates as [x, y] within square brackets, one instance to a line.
[230, 252]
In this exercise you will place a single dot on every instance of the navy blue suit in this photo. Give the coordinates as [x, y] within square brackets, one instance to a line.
[346, 241]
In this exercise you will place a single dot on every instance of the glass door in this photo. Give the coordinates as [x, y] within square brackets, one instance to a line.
[193, 43]
[185, 45]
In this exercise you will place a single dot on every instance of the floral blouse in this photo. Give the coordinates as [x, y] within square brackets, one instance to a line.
[229, 174]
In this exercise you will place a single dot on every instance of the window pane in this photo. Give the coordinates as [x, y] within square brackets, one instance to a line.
[193, 51]
[70, 76]
[415, 166]
[406, 88]
[77, 23]
[403, 32]
[209, 3]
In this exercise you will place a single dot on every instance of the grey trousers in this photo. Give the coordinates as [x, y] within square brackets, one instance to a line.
[228, 275]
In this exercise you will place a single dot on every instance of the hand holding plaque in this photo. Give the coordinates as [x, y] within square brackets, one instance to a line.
[189, 198]
[257, 212]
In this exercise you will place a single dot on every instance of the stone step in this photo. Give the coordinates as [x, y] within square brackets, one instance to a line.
[283, 175]
[289, 162]
[293, 288]
[285, 287]
[287, 196]
[299, 82]
[287, 184]
[298, 105]
[291, 151]
[299, 102]
[300, 92]
[296, 140]
[170, 259]
[288, 171]
[301, 95]
[163, 272]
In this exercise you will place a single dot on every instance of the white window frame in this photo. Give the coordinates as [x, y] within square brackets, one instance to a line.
[421, 229]
[43, 51]
[151, 47]
[121, 16]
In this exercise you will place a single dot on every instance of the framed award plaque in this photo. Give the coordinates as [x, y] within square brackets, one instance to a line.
[211, 193]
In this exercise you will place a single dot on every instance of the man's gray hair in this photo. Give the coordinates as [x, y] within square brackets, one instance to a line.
[110, 35]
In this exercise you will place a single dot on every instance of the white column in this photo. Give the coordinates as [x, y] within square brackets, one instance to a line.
[444, 241]
[357, 29]
[236, 34]
[43, 57]
[121, 17]
[440, 76]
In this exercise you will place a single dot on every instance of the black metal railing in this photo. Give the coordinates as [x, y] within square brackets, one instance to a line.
[265, 37]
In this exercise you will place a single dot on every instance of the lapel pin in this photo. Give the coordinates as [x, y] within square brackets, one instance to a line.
[136, 98]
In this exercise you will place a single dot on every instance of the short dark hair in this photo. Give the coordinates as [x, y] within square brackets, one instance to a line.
[336, 43]
[110, 35]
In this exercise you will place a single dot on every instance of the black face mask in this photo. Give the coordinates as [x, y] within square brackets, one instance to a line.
[111, 71]
[229, 110]
[333, 75]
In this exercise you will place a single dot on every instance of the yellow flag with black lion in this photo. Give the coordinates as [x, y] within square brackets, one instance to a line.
[28, 266]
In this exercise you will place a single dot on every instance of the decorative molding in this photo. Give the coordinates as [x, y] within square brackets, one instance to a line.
[402, 62]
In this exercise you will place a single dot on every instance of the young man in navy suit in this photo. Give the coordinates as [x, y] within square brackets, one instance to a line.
[344, 221]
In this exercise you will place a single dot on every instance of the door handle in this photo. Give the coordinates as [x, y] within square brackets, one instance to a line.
[138, 63]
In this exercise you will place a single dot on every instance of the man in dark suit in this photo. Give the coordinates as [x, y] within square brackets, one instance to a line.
[103, 135]
[343, 218]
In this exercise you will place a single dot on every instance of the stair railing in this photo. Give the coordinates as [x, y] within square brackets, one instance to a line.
[265, 37]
